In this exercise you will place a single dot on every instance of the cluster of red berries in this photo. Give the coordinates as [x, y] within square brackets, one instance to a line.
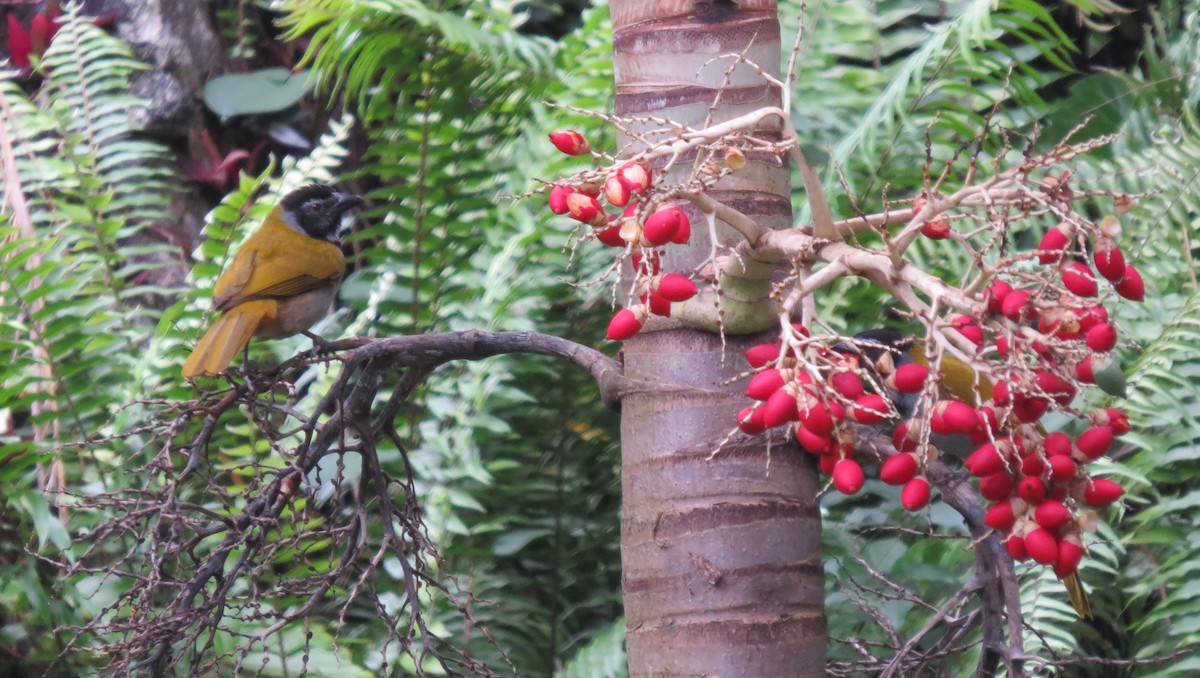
[1037, 481]
[637, 227]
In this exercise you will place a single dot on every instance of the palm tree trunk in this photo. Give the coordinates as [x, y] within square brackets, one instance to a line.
[722, 555]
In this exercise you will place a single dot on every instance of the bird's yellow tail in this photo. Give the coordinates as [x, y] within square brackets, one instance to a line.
[1078, 596]
[227, 337]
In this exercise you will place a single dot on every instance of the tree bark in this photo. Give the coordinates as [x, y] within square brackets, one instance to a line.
[721, 554]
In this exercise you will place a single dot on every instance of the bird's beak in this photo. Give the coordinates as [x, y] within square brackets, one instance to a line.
[346, 202]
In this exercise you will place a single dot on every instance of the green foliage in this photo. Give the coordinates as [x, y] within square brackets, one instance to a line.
[76, 278]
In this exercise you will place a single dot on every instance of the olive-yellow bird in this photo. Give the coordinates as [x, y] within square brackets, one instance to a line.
[282, 279]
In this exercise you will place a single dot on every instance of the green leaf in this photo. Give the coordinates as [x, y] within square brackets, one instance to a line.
[268, 90]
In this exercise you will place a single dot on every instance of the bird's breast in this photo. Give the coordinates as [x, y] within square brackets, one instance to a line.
[298, 313]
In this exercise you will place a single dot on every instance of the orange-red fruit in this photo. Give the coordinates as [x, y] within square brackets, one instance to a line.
[898, 469]
[938, 229]
[848, 384]
[1085, 370]
[611, 236]
[1033, 465]
[915, 494]
[587, 209]
[1015, 305]
[762, 354]
[570, 142]
[1114, 418]
[1078, 278]
[1053, 244]
[953, 416]
[995, 295]
[1095, 441]
[821, 417]
[558, 199]
[1001, 516]
[1101, 492]
[1051, 515]
[848, 476]
[1028, 409]
[1090, 316]
[901, 440]
[661, 226]
[1016, 547]
[996, 486]
[1057, 443]
[658, 304]
[812, 441]
[1042, 546]
[1131, 286]
[616, 192]
[1059, 389]
[626, 323]
[684, 232]
[1032, 489]
[634, 176]
[985, 461]
[910, 377]
[750, 420]
[869, 409]
[1069, 555]
[676, 287]
[763, 384]
[780, 408]
[1062, 469]
[966, 326]
[1110, 260]
[1102, 338]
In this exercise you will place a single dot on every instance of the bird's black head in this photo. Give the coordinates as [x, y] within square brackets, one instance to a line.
[317, 210]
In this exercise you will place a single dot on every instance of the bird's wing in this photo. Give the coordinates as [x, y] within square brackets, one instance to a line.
[257, 272]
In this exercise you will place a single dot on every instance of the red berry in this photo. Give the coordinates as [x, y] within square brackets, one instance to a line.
[1001, 516]
[1101, 492]
[1095, 442]
[1069, 555]
[763, 384]
[966, 326]
[1042, 546]
[616, 193]
[570, 142]
[938, 229]
[898, 469]
[811, 441]
[869, 409]
[587, 209]
[762, 354]
[1028, 409]
[1078, 278]
[1053, 243]
[1062, 468]
[558, 198]
[1052, 515]
[1016, 547]
[1033, 465]
[953, 416]
[1057, 443]
[1002, 346]
[1085, 370]
[750, 420]
[1131, 286]
[1015, 305]
[626, 323]
[1000, 394]
[995, 295]
[684, 232]
[1114, 418]
[901, 440]
[658, 304]
[848, 476]
[634, 176]
[611, 236]
[848, 384]
[996, 486]
[829, 461]
[780, 408]
[1059, 389]
[1032, 489]
[985, 461]
[821, 417]
[676, 287]
[915, 494]
[661, 226]
[1102, 338]
[1110, 261]
[910, 377]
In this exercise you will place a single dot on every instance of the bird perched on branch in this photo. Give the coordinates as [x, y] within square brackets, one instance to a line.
[887, 350]
[281, 281]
